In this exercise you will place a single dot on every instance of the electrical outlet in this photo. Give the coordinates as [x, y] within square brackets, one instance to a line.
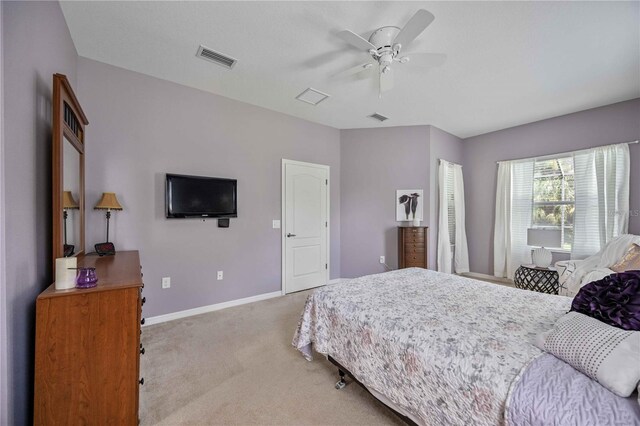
[220, 275]
[166, 282]
[382, 259]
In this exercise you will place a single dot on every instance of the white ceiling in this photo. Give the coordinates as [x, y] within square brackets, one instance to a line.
[509, 63]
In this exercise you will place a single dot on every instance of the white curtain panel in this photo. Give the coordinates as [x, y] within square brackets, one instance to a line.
[601, 198]
[514, 203]
[461, 255]
[444, 243]
[452, 171]
[502, 226]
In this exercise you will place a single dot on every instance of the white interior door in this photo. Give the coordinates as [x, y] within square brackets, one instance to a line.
[305, 225]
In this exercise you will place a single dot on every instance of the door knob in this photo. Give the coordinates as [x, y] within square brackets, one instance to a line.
[290, 235]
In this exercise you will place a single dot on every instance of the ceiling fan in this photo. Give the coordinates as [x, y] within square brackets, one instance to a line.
[385, 46]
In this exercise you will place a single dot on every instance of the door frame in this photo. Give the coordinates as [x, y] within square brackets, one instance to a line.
[283, 224]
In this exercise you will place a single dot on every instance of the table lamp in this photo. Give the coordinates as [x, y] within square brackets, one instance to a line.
[108, 202]
[542, 238]
[68, 203]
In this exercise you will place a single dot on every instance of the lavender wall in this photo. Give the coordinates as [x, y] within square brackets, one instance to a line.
[141, 128]
[442, 146]
[599, 126]
[36, 44]
[375, 163]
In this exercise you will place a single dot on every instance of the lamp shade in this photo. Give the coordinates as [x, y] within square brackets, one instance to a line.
[108, 202]
[540, 237]
[68, 202]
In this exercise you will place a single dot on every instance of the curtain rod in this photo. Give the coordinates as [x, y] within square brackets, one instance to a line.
[440, 160]
[541, 157]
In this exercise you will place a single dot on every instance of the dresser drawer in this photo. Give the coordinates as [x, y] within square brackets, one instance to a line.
[414, 238]
[415, 264]
[414, 257]
[413, 231]
[414, 248]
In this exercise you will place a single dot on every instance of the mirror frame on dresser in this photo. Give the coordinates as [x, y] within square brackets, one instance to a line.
[69, 122]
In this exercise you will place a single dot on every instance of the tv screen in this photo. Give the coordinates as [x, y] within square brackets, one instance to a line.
[198, 196]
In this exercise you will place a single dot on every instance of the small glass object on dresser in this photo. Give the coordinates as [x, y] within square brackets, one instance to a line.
[86, 278]
[542, 280]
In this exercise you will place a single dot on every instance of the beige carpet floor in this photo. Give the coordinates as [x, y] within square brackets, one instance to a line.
[237, 367]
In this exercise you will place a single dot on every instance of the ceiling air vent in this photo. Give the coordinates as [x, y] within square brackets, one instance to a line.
[378, 117]
[216, 57]
[312, 96]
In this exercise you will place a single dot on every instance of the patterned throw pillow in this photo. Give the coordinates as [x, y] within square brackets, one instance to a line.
[607, 354]
[630, 260]
[614, 300]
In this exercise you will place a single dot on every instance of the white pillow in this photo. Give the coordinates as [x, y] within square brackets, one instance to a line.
[607, 354]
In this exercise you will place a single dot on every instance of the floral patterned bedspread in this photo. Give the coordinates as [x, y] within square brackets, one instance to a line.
[442, 347]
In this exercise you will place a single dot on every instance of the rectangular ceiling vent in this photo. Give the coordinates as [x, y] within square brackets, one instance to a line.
[216, 57]
[378, 117]
[312, 96]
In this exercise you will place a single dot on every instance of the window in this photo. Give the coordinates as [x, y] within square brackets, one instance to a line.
[554, 197]
[451, 209]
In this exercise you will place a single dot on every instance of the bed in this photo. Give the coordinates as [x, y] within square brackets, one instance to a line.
[444, 349]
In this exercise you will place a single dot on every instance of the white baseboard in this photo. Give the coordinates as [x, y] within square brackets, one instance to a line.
[209, 308]
[486, 277]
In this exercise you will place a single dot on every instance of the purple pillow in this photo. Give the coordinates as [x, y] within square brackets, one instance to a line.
[614, 300]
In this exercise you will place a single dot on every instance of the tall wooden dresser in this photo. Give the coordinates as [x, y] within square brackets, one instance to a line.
[88, 347]
[412, 246]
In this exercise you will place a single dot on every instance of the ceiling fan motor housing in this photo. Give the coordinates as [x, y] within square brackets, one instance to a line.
[383, 37]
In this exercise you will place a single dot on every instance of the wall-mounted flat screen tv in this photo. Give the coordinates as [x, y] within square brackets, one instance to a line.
[199, 196]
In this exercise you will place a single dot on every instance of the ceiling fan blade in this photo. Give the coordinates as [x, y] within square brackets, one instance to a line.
[426, 60]
[355, 40]
[386, 80]
[414, 27]
[354, 70]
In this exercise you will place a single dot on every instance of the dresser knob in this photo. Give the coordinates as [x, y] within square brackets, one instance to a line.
[142, 321]
[144, 300]
[141, 381]
[142, 351]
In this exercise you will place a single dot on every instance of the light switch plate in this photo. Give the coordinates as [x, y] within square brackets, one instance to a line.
[276, 224]
[220, 275]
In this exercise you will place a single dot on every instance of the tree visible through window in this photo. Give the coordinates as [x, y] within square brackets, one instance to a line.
[554, 197]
